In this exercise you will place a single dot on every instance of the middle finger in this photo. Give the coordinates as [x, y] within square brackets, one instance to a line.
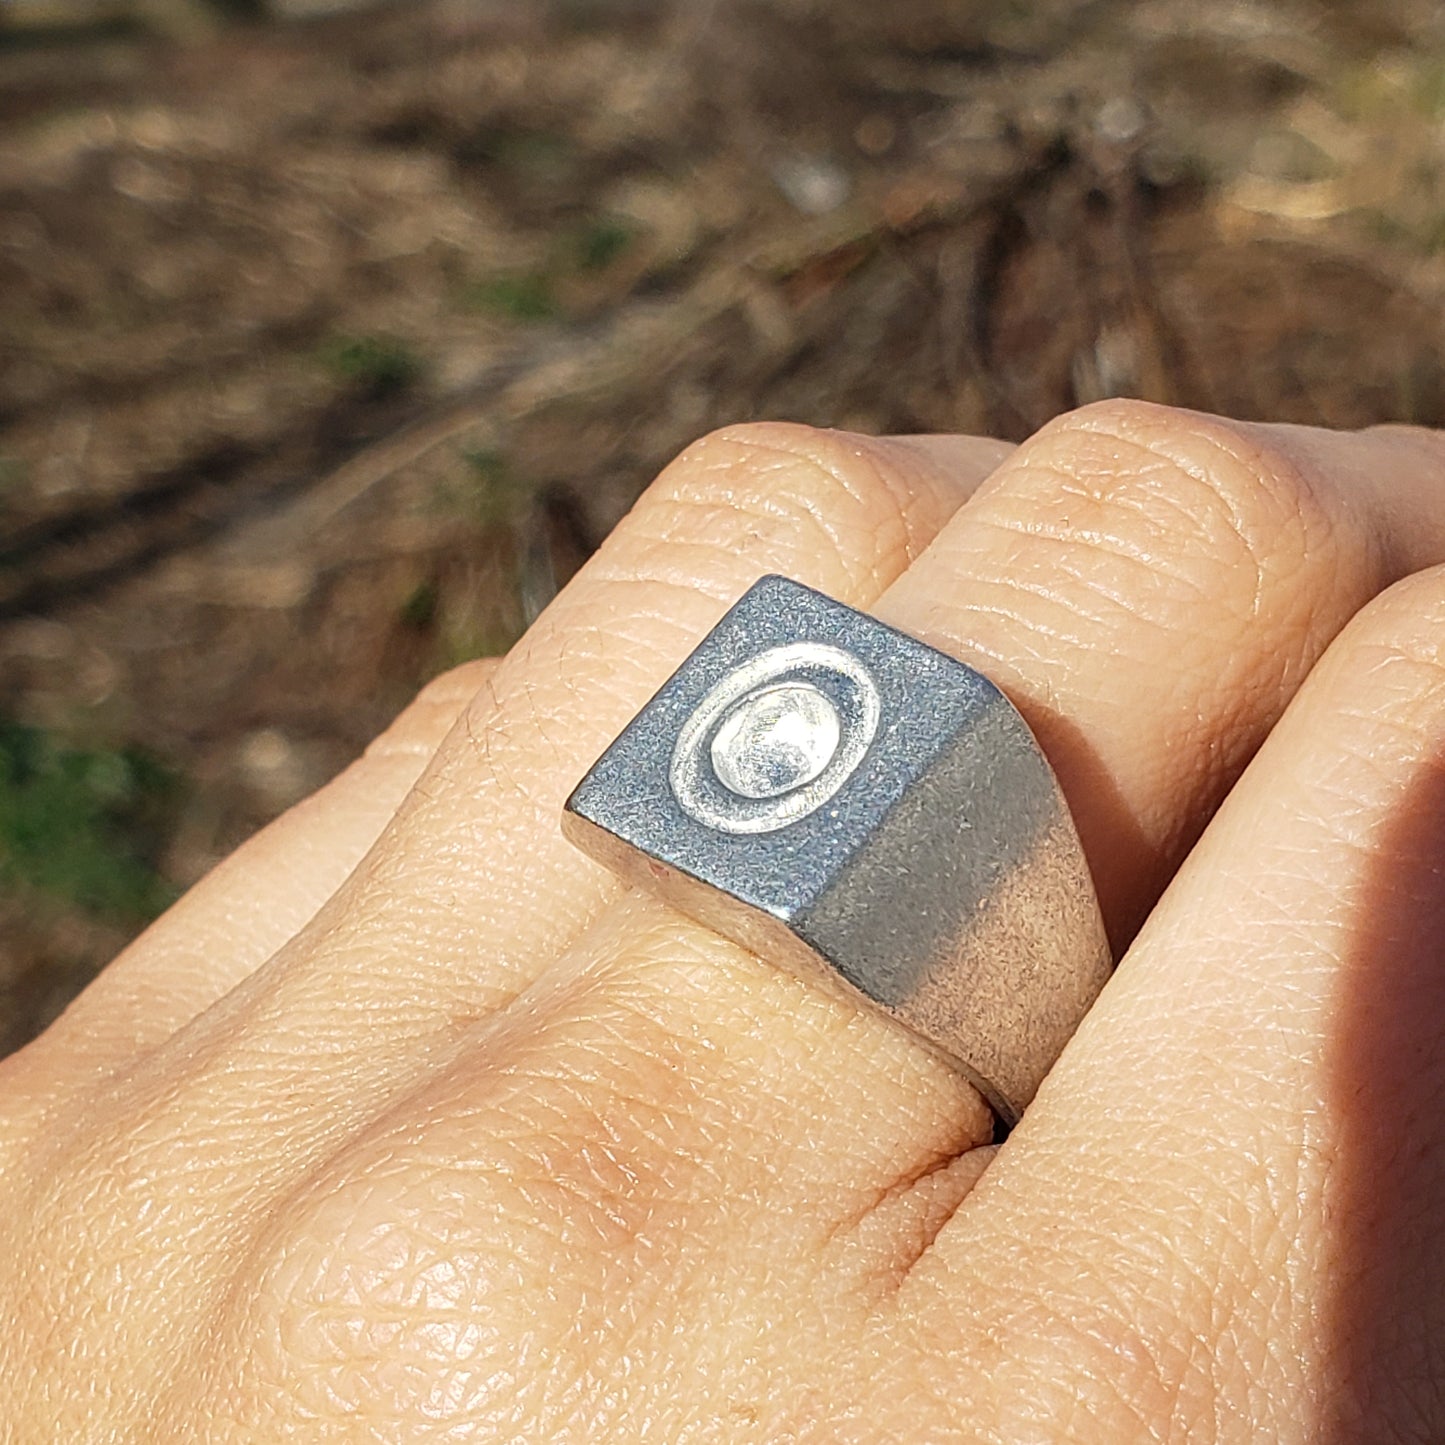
[1149, 587]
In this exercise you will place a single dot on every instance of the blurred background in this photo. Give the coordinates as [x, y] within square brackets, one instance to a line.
[334, 335]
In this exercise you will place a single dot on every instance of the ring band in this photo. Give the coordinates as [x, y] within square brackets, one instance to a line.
[855, 805]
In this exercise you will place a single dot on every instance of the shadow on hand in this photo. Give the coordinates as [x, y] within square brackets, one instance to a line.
[1385, 1231]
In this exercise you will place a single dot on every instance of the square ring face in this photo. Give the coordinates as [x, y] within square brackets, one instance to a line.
[770, 762]
[851, 803]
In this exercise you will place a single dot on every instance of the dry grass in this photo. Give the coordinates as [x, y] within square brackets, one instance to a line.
[329, 351]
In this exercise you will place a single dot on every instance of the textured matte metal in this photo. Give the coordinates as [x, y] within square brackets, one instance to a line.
[928, 863]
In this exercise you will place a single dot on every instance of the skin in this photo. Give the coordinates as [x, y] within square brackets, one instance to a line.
[408, 1124]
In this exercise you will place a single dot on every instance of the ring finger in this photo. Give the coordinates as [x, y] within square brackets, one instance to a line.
[1148, 586]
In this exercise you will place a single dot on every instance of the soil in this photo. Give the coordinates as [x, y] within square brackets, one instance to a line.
[329, 350]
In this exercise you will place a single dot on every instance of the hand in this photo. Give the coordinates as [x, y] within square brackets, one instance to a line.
[487, 1150]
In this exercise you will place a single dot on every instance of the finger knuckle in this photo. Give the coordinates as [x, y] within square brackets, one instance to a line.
[459, 1255]
[1189, 487]
[389, 1296]
[60, 1276]
[848, 495]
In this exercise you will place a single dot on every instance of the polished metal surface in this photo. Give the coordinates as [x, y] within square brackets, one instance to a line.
[750, 757]
[853, 804]
[777, 739]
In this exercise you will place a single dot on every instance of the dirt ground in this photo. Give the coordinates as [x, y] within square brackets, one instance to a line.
[329, 350]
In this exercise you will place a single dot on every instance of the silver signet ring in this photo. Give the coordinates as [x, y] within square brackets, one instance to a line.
[850, 803]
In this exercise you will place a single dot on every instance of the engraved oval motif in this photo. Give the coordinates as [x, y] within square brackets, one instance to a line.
[757, 753]
[776, 739]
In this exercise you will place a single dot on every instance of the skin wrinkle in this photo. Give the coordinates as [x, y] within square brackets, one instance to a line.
[1171, 435]
[1123, 1310]
[804, 452]
[802, 502]
[318, 1191]
[1153, 569]
[543, 794]
[488, 1031]
[819, 450]
[1208, 498]
[1135, 496]
[340, 1334]
[1155, 564]
[904, 485]
[1029, 602]
[1397, 737]
[1029, 464]
[878, 1248]
[1250, 469]
[935, 1162]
